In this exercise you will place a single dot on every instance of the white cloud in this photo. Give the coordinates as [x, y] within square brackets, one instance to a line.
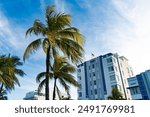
[60, 5]
[137, 48]
[43, 5]
[120, 26]
[12, 37]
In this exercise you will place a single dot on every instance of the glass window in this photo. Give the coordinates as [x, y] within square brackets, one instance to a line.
[114, 86]
[95, 91]
[79, 77]
[79, 70]
[109, 60]
[111, 68]
[93, 74]
[94, 82]
[90, 83]
[112, 78]
[80, 94]
[91, 92]
[116, 69]
[117, 77]
[93, 66]
[114, 60]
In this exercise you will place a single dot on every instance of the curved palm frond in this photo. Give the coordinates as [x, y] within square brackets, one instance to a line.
[41, 85]
[69, 79]
[37, 28]
[72, 33]
[32, 47]
[71, 49]
[66, 87]
[3, 95]
[40, 76]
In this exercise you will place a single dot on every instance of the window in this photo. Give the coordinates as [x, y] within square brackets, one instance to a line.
[79, 70]
[117, 77]
[119, 87]
[89, 67]
[111, 68]
[114, 86]
[109, 60]
[116, 69]
[79, 77]
[134, 91]
[93, 66]
[91, 92]
[94, 82]
[80, 94]
[91, 83]
[114, 60]
[95, 91]
[80, 87]
[112, 77]
[125, 82]
[93, 74]
[128, 70]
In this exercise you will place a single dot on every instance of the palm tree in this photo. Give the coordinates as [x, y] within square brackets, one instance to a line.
[116, 95]
[58, 37]
[9, 72]
[62, 72]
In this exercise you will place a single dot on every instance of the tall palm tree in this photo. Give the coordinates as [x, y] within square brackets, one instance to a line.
[62, 72]
[116, 95]
[9, 72]
[58, 37]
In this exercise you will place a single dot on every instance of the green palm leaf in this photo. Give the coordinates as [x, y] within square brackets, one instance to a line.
[32, 47]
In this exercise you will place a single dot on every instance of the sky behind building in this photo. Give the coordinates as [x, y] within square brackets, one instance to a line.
[121, 26]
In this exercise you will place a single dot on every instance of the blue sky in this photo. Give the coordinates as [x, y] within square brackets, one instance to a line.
[121, 26]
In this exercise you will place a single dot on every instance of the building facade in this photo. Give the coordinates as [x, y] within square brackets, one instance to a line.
[139, 86]
[99, 75]
[34, 95]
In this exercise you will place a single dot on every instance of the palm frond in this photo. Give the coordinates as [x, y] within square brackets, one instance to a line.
[3, 95]
[66, 87]
[19, 72]
[72, 33]
[71, 49]
[32, 47]
[70, 79]
[41, 85]
[38, 28]
[40, 76]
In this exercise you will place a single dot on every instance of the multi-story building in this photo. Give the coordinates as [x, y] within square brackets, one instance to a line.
[139, 86]
[99, 75]
[34, 95]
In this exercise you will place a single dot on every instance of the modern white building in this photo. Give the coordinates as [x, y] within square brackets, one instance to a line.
[139, 86]
[34, 95]
[99, 75]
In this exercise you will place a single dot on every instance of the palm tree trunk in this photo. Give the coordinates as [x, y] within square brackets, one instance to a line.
[47, 73]
[54, 90]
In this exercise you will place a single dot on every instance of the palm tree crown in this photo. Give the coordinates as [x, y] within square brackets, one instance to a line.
[62, 72]
[116, 95]
[9, 72]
